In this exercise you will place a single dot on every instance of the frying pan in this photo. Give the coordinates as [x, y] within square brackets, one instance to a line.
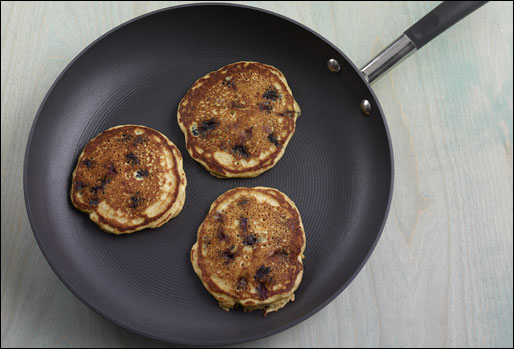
[338, 167]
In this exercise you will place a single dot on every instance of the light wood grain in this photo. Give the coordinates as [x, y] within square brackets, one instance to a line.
[441, 274]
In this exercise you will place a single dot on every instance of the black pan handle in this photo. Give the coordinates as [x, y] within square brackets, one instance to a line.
[439, 19]
[427, 28]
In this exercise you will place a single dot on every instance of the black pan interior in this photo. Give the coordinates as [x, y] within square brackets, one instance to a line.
[337, 169]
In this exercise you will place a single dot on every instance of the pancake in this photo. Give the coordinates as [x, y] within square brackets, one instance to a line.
[238, 120]
[249, 249]
[129, 178]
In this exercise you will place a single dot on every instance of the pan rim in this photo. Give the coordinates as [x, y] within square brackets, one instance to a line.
[202, 342]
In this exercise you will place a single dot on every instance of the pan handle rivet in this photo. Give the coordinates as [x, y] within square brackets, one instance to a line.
[333, 66]
[365, 107]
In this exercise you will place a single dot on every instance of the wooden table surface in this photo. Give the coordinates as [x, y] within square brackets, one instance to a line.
[441, 274]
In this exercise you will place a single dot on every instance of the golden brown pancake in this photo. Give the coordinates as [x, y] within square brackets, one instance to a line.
[129, 178]
[238, 120]
[249, 249]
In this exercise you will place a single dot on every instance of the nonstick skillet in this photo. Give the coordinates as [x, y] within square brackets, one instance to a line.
[338, 167]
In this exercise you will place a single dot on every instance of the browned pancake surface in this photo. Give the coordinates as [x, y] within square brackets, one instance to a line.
[238, 119]
[133, 172]
[249, 244]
